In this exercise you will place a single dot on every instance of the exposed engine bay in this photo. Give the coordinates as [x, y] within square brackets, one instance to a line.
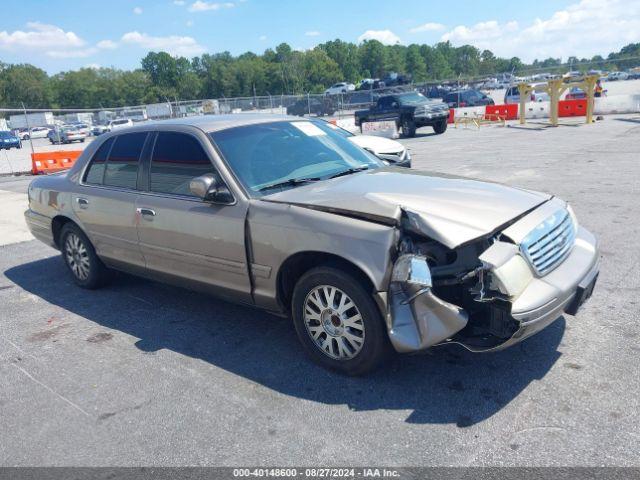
[461, 295]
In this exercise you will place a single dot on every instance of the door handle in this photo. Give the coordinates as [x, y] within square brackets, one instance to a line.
[82, 202]
[146, 212]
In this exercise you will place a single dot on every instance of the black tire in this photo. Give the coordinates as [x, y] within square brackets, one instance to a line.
[440, 127]
[71, 241]
[375, 347]
[26, 137]
[408, 127]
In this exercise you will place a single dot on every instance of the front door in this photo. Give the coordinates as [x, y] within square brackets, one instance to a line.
[182, 235]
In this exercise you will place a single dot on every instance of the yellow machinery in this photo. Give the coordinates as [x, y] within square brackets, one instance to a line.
[555, 88]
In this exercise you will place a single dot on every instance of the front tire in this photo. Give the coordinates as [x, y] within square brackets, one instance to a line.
[338, 322]
[440, 127]
[408, 127]
[86, 268]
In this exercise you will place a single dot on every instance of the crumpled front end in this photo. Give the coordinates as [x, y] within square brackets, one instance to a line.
[493, 292]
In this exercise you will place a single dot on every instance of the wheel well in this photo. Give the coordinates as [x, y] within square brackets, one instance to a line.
[56, 227]
[298, 264]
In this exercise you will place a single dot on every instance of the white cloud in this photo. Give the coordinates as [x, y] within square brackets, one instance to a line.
[94, 66]
[38, 36]
[312, 33]
[386, 37]
[583, 29]
[428, 27]
[173, 44]
[73, 53]
[201, 6]
[137, 10]
[262, 38]
[189, 23]
[107, 44]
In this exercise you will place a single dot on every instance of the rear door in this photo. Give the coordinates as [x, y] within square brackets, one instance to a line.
[180, 234]
[105, 202]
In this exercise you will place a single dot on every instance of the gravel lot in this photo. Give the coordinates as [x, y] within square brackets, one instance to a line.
[145, 374]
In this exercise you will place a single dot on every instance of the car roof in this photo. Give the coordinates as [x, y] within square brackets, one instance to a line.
[215, 123]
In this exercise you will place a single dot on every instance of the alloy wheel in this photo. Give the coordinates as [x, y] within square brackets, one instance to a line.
[77, 256]
[334, 322]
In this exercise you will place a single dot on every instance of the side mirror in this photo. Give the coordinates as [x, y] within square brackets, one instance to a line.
[209, 188]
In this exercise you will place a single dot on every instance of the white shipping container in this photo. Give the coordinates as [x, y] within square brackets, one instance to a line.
[38, 119]
[159, 110]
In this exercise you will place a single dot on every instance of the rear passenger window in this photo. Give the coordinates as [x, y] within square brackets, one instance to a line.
[177, 159]
[122, 167]
[95, 173]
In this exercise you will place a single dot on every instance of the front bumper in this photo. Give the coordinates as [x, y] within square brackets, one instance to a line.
[431, 116]
[427, 321]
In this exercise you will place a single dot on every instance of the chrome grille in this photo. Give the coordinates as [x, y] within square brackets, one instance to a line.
[547, 245]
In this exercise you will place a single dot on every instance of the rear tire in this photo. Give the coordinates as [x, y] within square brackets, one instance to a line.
[87, 270]
[338, 322]
[440, 127]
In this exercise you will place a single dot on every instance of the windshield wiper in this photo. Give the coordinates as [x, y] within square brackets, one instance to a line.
[349, 171]
[288, 183]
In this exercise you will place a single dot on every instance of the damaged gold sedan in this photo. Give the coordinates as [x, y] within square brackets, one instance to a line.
[289, 216]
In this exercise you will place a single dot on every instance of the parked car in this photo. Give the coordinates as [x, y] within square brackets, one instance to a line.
[370, 84]
[390, 151]
[575, 93]
[34, 132]
[315, 105]
[120, 123]
[410, 111]
[66, 134]
[467, 98]
[9, 140]
[512, 95]
[340, 87]
[99, 129]
[613, 76]
[83, 127]
[289, 216]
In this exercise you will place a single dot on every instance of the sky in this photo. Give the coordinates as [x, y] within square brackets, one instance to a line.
[59, 35]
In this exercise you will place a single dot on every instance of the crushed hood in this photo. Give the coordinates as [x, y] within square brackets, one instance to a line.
[450, 210]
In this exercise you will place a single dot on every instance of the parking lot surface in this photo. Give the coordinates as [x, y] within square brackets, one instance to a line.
[140, 373]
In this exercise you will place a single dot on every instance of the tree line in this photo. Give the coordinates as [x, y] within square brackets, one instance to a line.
[283, 70]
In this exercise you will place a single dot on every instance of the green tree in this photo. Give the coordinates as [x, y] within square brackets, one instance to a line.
[373, 57]
[25, 83]
[416, 65]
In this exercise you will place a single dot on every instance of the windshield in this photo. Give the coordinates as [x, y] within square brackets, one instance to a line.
[270, 153]
[413, 98]
[4, 134]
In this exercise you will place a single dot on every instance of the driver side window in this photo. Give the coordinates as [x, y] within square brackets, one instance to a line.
[177, 159]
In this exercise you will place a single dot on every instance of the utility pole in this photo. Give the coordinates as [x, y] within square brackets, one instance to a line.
[26, 120]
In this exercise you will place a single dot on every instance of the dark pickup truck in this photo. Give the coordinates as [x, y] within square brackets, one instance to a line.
[410, 111]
